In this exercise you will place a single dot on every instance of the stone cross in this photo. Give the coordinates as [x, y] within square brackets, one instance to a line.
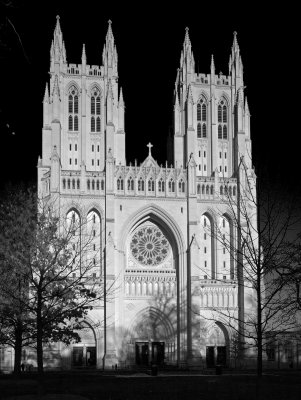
[150, 149]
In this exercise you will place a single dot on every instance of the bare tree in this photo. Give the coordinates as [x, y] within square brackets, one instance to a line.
[262, 218]
[60, 270]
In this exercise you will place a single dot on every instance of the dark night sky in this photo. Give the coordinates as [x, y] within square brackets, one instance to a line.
[149, 41]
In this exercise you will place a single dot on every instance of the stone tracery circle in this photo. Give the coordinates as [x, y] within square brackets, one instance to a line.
[149, 246]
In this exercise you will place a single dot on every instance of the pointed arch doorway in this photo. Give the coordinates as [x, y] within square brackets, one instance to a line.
[217, 346]
[153, 337]
[84, 352]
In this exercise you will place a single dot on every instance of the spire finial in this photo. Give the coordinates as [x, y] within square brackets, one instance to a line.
[235, 46]
[187, 40]
[150, 149]
[57, 26]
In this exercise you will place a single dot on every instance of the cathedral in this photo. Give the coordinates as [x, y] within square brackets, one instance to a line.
[156, 243]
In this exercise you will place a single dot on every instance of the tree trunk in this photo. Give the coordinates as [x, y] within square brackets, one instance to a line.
[259, 325]
[18, 349]
[39, 336]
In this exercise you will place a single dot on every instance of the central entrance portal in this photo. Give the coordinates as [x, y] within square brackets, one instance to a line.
[148, 353]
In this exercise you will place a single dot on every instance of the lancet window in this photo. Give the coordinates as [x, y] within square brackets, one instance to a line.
[130, 183]
[181, 186]
[151, 185]
[140, 185]
[202, 118]
[95, 110]
[73, 109]
[161, 185]
[119, 184]
[222, 120]
[171, 185]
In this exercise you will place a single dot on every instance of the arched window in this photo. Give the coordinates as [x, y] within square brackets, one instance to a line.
[88, 184]
[202, 118]
[203, 189]
[64, 183]
[130, 184]
[95, 110]
[199, 130]
[199, 112]
[181, 186]
[222, 120]
[68, 183]
[102, 184]
[97, 184]
[92, 124]
[221, 191]
[73, 109]
[140, 185]
[171, 185]
[97, 124]
[119, 184]
[151, 185]
[161, 185]
[73, 183]
[199, 189]
[93, 184]
[234, 190]
[94, 235]
[225, 136]
[211, 190]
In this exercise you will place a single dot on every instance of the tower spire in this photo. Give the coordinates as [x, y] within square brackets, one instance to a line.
[57, 51]
[235, 63]
[109, 54]
[187, 63]
[235, 47]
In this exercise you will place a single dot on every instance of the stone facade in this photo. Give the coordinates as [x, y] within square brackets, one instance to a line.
[168, 271]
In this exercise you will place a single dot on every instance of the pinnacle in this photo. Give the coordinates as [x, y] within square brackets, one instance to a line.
[235, 46]
[46, 95]
[84, 52]
[121, 97]
[212, 62]
[187, 39]
[246, 105]
[109, 32]
[57, 26]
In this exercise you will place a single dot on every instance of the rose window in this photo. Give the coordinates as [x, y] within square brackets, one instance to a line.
[149, 246]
